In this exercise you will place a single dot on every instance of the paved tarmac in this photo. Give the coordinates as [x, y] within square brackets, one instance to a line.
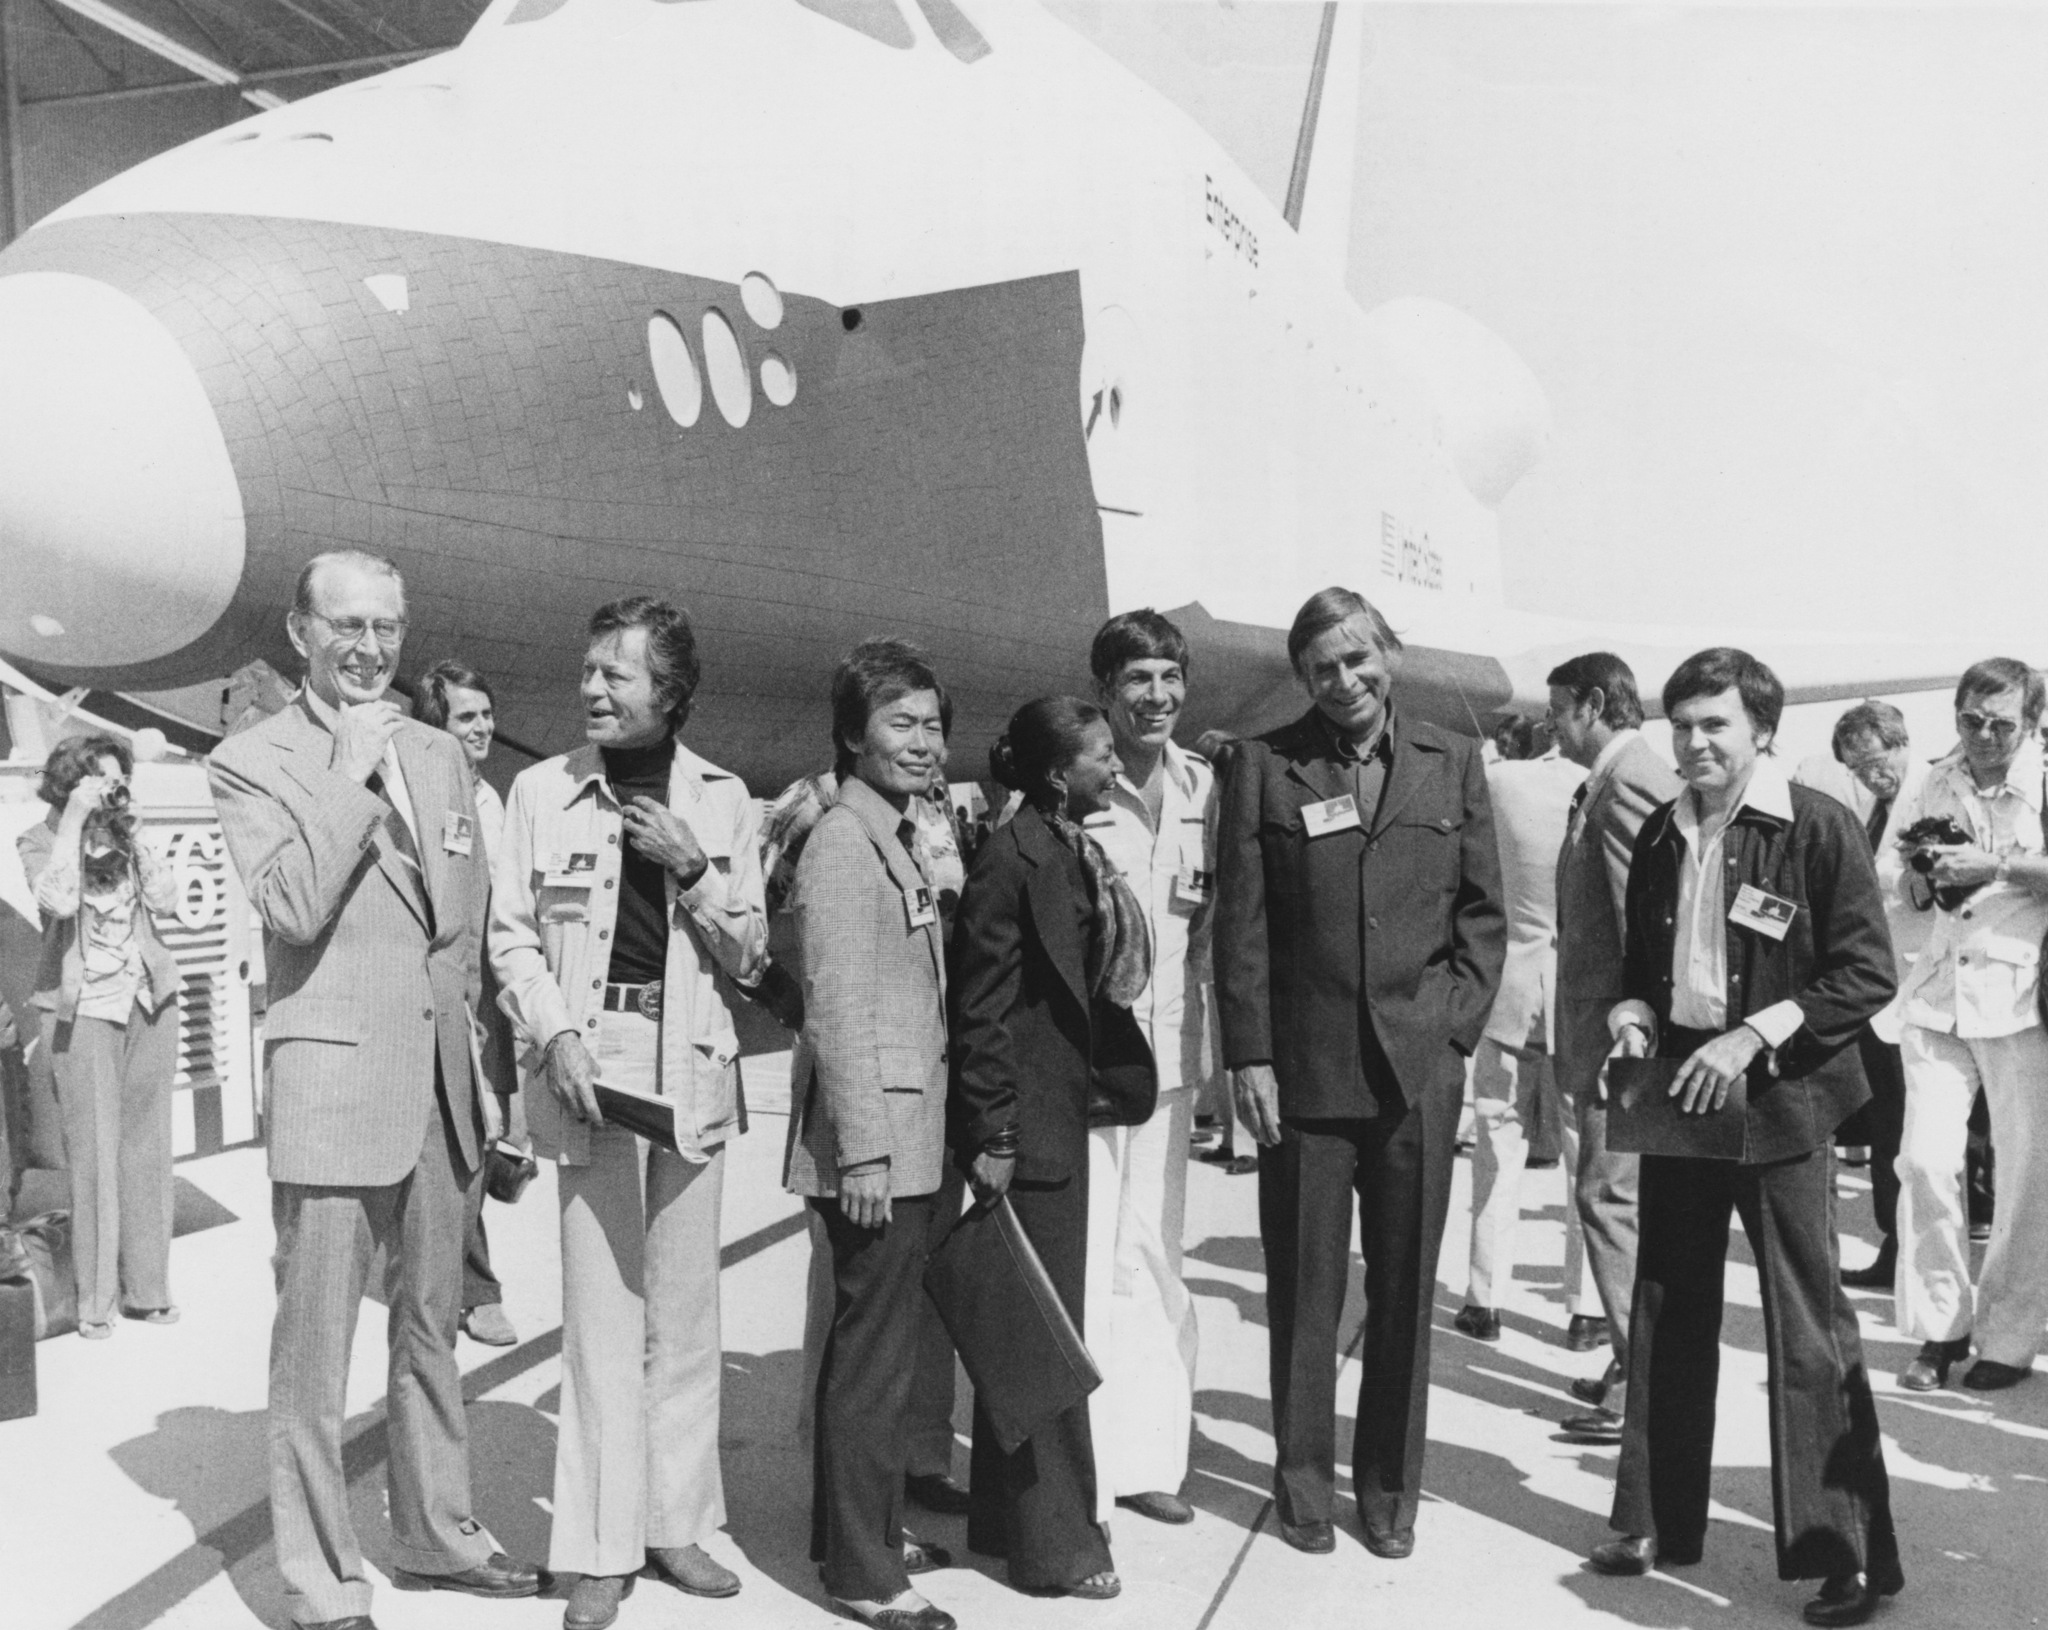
[136, 1496]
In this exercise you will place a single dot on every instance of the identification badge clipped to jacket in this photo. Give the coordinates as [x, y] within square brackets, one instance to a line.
[918, 906]
[1769, 914]
[458, 833]
[574, 871]
[1331, 815]
[1193, 887]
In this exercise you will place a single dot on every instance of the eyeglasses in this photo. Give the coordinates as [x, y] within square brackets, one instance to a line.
[1977, 725]
[389, 630]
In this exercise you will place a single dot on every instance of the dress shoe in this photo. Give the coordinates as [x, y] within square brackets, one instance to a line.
[1391, 1543]
[1097, 1587]
[1851, 1598]
[1159, 1506]
[908, 1611]
[1233, 1163]
[1586, 1332]
[689, 1568]
[1929, 1370]
[1878, 1275]
[1988, 1375]
[1590, 1389]
[488, 1324]
[1318, 1538]
[1628, 1557]
[1480, 1323]
[935, 1491]
[497, 1576]
[355, 1621]
[167, 1314]
[594, 1601]
[1601, 1423]
[921, 1556]
[95, 1329]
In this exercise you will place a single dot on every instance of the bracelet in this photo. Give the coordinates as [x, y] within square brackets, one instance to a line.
[1002, 1145]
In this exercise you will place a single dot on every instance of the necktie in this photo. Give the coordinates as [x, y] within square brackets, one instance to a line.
[1875, 827]
[394, 824]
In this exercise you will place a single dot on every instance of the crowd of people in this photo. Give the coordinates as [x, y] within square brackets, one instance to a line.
[1348, 919]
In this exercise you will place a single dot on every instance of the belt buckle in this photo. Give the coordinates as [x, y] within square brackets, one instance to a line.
[648, 1000]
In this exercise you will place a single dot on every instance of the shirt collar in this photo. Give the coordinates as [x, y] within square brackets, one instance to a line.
[585, 765]
[1381, 749]
[1769, 793]
[2022, 776]
[325, 713]
[1180, 769]
[1616, 746]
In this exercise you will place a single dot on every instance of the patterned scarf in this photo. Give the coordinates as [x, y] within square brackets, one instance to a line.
[1119, 955]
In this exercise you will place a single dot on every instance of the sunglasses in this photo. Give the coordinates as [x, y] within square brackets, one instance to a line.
[1977, 725]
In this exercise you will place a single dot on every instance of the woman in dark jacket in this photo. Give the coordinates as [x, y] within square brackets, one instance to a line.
[1049, 950]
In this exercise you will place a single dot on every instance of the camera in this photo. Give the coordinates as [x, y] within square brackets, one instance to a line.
[116, 798]
[1922, 838]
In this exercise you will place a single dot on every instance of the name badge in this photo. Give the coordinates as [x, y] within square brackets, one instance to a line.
[1769, 914]
[918, 905]
[1193, 887]
[574, 871]
[458, 833]
[1331, 815]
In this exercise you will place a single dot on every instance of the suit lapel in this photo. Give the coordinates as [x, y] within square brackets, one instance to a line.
[1051, 909]
[1414, 764]
[411, 886]
[881, 821]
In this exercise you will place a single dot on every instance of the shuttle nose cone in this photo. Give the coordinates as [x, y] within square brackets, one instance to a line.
[121, 529]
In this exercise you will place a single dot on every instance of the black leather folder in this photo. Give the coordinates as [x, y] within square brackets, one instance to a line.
[1013, 1334]
[653, 1118]
[1644, 1119]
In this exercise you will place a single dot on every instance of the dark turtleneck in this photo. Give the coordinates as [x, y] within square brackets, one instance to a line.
[640, 942]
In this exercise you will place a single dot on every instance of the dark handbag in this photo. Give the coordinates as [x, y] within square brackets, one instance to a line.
[1644, 1119]
[1013, 1333]
[507, 1170]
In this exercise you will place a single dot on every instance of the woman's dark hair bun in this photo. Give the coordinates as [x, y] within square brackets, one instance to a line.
[1002, 765]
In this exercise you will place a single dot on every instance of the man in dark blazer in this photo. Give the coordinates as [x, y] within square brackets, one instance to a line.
[1358, 945]
[1757, 952]
[354, 830]
[1596, 713]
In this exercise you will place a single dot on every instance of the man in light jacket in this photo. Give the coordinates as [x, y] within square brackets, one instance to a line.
[626, 909]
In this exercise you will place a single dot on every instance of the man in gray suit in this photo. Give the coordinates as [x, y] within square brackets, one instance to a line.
[1595, 714]
[354, 830]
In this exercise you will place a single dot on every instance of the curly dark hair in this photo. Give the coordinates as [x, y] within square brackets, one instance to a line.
[76, 757]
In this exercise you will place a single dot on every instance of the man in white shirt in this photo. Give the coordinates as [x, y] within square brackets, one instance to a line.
[1972, 1019]
[1512, 1073]
[1160, 832]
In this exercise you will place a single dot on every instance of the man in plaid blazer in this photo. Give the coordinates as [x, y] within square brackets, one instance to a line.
[354, 830]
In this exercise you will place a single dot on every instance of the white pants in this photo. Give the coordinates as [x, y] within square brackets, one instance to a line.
[1933, 1284]
[636, 1457]
[1138, 1319]
[1506, 1083]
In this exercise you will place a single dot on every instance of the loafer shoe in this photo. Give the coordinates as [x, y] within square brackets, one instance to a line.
[1628, 1557]
[489, 1325]
[920, 1556]
[1988, 1375]
[1318, 1538]
[1391, 1543]
[497, 1576]
[1851, 1598]
[1604, 1424]
[1159, 1506]
[1586, 1332]
[909, 1611]
[1929, 1370]
[935, 1491]
[1097, 1587]
[594, 1601]
[1480, 1323]
[355, 1621]
[689, 1568]
[1878, 1275]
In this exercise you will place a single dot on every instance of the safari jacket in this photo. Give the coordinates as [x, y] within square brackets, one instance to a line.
[555, 903]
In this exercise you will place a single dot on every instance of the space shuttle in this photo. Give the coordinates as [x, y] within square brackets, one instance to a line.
[826, 318]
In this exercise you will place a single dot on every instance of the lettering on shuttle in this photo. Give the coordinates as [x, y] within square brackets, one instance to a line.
[1406, 558]
[1229, 225]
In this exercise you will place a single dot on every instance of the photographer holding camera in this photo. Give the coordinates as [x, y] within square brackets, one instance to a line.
[107, 996]
[1972, 1018]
